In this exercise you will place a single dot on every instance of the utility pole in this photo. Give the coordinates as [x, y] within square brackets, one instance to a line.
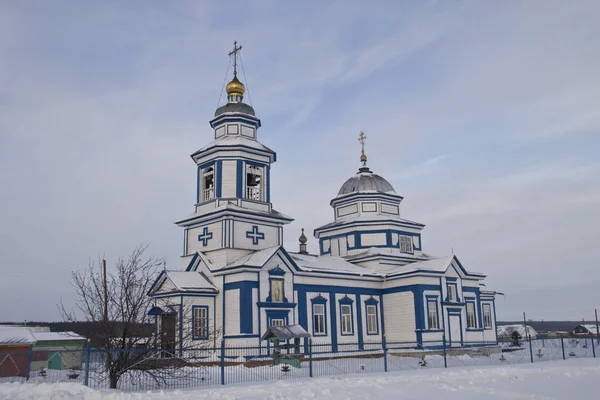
[105, 295]
[525, 325]
[597, 330]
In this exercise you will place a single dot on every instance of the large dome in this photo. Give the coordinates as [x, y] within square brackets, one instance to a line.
[366, 181]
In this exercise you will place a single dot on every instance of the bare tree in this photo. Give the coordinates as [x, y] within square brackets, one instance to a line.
[118, 306]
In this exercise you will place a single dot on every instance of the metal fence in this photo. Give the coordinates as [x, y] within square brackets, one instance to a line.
[135, 370]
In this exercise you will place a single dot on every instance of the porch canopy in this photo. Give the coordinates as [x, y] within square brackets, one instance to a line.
[285, 332]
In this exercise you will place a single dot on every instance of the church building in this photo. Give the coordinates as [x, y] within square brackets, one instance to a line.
[371, 281]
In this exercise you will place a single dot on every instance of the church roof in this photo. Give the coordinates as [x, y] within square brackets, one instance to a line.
[368, 218]
[366, 181]
[235, 140]
[311, 263]
[233, 207]
[438, 264]
[190, 280]
[256, 259]
[235, 108]
[386, 251]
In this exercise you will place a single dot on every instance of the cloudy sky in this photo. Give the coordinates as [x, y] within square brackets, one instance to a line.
[483, 115]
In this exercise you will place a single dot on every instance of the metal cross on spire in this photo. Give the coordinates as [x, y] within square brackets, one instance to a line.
[234, 54]
[361, 140]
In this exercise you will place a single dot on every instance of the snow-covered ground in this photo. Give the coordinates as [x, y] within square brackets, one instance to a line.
[549, 380]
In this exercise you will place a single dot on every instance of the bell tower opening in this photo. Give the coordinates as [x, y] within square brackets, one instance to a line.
[254, 183]
[208, 184]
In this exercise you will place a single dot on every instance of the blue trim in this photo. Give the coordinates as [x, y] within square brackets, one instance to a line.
[346, 301]
[246, 308]
[437, 314]
[184, 293]
[241, 336]
[268, 185]
[239, 178]
[359, 324]
[194, 336]
[198, 184]
[495, 326]
[303, 315]
[255, 235]
[205, 236]
[277, 271]
[372, 302]
[239, 284]
[223, 306]
[251, 120]
[321, 301]
[382, 318]
[219, 178]
[267, 304]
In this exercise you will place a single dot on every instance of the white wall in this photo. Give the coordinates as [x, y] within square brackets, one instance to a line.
[399, 310]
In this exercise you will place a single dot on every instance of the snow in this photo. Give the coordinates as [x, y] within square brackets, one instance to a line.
[17, 335]
[549, 380]
[507, 330]
[235, 140]
[189, 280]
[330, 264]
[56, 336]
[256, 259]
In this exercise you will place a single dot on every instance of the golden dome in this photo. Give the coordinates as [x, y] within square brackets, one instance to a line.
[303, 238]
[235, 87]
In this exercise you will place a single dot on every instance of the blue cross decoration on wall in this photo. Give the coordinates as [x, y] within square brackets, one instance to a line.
[205, 236]
[255, 235]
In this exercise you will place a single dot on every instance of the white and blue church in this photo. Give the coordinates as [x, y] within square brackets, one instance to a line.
[371, 281]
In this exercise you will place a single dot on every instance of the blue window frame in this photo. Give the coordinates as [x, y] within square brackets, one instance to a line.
[276, 317]
[346, 316]
[372, 316]
[433, 317]
[487, 316]
[319, 321]
[452, 293]
[471, 314]
[199, 322]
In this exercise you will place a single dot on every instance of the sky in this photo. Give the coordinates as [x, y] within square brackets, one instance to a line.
[483, 115]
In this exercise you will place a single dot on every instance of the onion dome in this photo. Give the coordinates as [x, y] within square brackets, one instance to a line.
[366, 181]
[235, 87]
[302, 239]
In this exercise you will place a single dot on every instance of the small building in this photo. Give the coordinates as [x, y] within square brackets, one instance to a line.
[57, 350]
[15, 346]
[511, 332]
[585, 329]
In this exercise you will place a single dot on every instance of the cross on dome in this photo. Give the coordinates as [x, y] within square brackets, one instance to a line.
[361, 139]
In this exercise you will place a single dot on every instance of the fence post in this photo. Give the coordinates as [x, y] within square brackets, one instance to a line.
[310, 364]
[222, 362]
[385, 361]
[86, 357]
[29, 359]
[593, 348]
[530, 348]
[562, 344]
[445, 355]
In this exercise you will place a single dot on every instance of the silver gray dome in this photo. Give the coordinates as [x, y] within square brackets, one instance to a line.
[235, 107]
[366, 181]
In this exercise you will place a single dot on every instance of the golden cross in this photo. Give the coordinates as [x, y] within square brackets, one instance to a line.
[361, 140]
[234, 54]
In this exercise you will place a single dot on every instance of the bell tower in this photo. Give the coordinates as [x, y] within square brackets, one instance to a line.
[233, 214]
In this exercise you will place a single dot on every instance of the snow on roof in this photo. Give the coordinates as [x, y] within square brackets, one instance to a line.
[367, 218]
[439, 264]
[190, 280]
[331, 264]
[383, 251]
[56, 336]
[235, 140]
[507, 330]
[233, 207]
[16, 335]
[255, 259]
[285, 332]
[590, 328]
